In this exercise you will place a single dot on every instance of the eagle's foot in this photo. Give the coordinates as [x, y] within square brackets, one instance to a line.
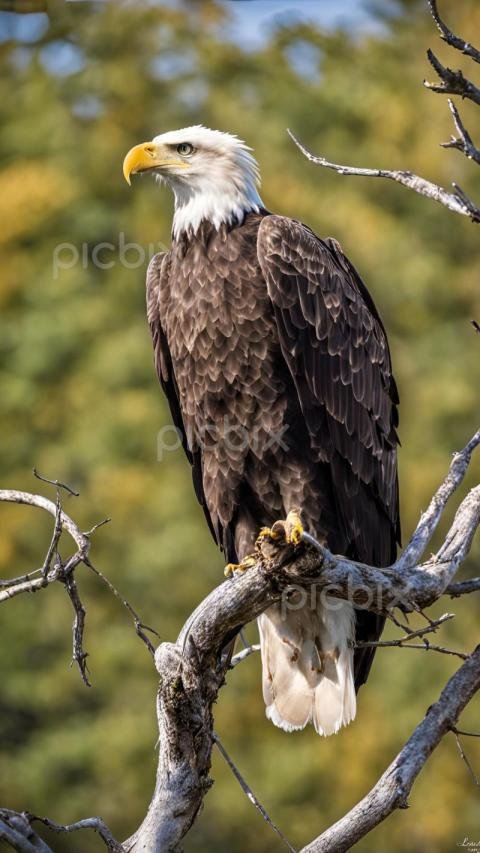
[247, 563]
[288, 532]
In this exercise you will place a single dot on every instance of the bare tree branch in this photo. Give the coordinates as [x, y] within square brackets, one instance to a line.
[403, 642]
[456, 201]
[463, 587]
[16, 828]
[193, 670]
[61, 571]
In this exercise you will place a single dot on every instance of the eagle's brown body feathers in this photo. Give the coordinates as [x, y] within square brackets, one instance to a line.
[277, 371]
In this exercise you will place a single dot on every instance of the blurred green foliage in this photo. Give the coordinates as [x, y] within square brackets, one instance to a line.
[80, 399]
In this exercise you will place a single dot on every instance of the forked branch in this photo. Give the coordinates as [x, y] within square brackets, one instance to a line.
[393, 788]
[451, 82]
[463, 142]
[193, 670]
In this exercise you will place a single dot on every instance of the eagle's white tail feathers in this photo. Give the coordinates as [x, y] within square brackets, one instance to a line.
[307, 661]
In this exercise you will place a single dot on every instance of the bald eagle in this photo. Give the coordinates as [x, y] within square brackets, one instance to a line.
[277, 370]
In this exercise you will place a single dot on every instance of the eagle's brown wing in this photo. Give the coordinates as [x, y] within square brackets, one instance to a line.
[336, 349]
[158, 271]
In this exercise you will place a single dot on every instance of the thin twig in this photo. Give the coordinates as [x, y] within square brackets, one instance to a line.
[463, 142]
[465, 759]
[140, 626]
[96, 526]
[57, 532]
[57, 483]
[464, 733]
[96, 823]
[397, 622]
[245, 653]
[428, 629]
[30, 584]
[403, 644]
[453, 82]
[431, 622]
[243, 638]
[79, 655]
[248, 791]
[453, 40]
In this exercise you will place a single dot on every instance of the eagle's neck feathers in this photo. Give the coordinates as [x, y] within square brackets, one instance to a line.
[227, 209]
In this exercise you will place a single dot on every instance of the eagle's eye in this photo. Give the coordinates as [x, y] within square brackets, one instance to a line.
[185, 148]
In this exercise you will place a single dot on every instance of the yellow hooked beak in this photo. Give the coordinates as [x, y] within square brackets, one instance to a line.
[149, 155]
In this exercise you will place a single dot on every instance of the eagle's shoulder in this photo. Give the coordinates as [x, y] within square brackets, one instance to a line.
[282, 235]
[282, 240]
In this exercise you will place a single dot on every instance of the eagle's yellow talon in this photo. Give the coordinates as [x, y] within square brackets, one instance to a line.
[273, 533]
[289, 531]
[247, 563]
[294, 527]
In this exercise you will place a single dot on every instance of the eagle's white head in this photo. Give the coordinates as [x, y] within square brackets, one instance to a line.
[213, 175]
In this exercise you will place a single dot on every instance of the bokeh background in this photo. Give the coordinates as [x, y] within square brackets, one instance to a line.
[80, 400]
